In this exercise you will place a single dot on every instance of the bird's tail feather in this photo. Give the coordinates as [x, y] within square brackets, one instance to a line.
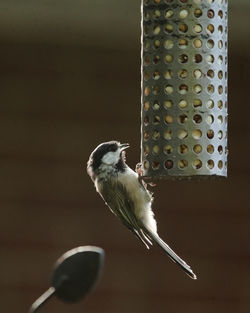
[171, 253]
[143, 237]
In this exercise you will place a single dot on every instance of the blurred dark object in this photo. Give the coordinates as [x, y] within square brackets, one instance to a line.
[75, 274]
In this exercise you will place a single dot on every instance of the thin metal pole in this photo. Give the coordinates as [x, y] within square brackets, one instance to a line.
[42, 300]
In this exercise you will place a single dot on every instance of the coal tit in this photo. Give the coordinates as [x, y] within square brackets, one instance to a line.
[127, 195]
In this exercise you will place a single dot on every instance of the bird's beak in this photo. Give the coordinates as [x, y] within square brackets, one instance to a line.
[124, 146]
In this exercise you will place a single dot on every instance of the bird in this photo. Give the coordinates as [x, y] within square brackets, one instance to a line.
[126, 194]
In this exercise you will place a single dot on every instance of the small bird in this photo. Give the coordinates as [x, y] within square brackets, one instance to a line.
[127, 196]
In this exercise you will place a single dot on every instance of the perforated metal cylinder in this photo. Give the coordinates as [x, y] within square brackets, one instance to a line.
[184, 88]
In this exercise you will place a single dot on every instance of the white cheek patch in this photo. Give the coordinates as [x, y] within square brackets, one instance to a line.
[111, 157]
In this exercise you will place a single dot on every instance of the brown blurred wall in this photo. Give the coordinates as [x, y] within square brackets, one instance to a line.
[61, 97]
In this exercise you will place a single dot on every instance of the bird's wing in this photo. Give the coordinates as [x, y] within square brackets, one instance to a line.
[117, 198]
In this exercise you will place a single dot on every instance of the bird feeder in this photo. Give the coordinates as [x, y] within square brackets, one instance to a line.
[184, 88]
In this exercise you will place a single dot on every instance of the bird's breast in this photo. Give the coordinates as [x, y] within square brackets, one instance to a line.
[137, 193]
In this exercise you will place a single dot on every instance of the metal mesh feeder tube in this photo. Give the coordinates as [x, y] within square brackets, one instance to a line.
[184, 88]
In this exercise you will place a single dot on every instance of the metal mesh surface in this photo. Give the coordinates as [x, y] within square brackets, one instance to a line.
[184, 88]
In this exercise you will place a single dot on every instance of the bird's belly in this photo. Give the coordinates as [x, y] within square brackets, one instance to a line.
[140, 197]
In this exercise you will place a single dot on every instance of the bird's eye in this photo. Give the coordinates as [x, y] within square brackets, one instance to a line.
[112, 148]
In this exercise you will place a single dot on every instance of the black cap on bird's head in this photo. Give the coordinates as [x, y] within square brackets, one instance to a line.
[109, 153]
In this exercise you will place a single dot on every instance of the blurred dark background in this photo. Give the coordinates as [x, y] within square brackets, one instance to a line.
[70, 79]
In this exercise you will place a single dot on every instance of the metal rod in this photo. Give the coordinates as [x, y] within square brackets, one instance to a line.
[42, 300]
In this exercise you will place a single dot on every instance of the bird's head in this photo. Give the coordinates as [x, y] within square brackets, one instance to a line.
[109, 153]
